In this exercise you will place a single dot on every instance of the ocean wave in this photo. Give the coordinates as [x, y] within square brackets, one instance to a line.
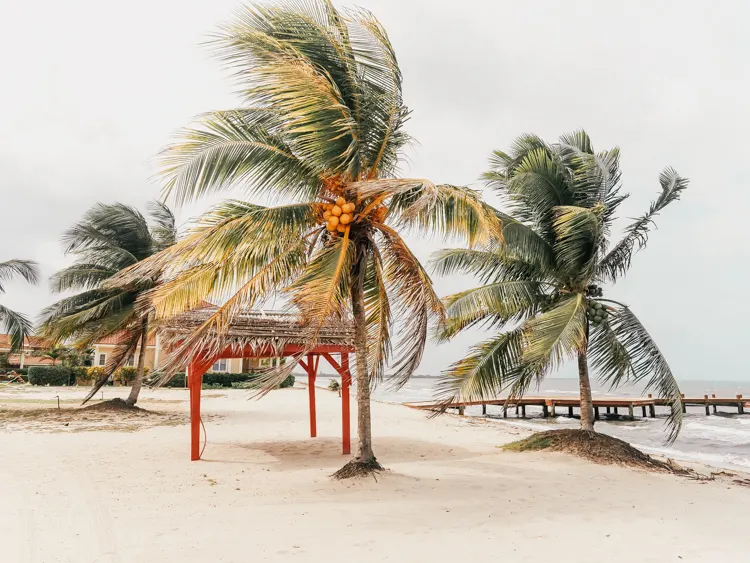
[727, 460]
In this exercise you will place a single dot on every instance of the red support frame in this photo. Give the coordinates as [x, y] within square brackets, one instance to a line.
[202, 363]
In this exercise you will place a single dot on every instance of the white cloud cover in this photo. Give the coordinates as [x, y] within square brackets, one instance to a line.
[92, 90]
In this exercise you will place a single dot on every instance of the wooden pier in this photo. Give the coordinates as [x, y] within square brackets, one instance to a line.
[550, 405]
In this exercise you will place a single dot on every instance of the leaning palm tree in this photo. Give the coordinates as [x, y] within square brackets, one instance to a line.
[543, 281]
[322, 129]
[107, 240]
[16, 324]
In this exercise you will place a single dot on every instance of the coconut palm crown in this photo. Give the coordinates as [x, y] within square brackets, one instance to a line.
[542, 289]
[322, 129]
[109, 239]
[13, 323]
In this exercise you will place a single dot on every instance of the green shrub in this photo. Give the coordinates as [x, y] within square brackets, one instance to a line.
[50, 375]
[179, 380]
[288, 382]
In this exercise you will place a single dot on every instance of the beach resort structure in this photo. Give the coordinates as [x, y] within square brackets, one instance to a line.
[255, 335]
[29, 355]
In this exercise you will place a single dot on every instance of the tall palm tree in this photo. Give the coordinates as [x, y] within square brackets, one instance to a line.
[16, 324]
[321, 129]
[107, 240]
[542, 289]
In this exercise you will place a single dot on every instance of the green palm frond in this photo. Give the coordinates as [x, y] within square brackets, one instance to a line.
[454, 213]
[322, 290]
[235, 147]
[164, 229]
[80, 276]
[556, 334]
[26, 269]
[489, 368]
[579, 233]
[413, 299]
[647, 363]
[617, 261]
[378, 317]
[16, 325]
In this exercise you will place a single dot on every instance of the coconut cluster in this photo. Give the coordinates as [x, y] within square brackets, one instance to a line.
[597, 313]
[338, 215]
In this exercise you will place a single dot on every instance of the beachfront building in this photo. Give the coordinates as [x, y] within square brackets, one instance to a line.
[30, 354]
[155, 353]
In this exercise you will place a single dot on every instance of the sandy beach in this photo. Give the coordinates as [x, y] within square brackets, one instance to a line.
[121, 491]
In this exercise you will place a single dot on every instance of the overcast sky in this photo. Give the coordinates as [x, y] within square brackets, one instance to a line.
[91, 90]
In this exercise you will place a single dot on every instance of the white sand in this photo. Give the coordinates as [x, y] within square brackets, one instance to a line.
[262, 493]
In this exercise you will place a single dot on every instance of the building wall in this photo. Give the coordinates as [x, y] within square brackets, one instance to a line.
[109, 349]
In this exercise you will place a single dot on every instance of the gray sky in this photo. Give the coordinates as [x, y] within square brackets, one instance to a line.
[91, 91]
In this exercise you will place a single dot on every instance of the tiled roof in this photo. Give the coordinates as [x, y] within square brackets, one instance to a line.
[30, 342]
[120, 338]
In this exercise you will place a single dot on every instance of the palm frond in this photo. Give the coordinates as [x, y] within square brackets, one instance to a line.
[489, 368]
[17, 326]
[164, 230]
[579, 232]
[117, 359]
[242, 147]
[26, 269]
[80, 276]
[647, 362]
[617, 261]
[558, 333]
[414, 300]
[377, 317]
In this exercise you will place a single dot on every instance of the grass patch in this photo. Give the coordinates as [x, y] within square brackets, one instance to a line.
[591, 446]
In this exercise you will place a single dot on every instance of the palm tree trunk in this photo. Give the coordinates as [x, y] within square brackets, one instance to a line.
[587, 406]
[364, 461]
[364, 422]
[139, 372]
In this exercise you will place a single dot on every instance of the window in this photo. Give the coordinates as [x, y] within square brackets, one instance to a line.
[102, 359]
[131, 360]
[220, 365]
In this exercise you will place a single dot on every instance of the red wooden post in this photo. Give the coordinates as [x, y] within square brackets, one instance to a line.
[346, 381]
[195, 379]
[311, 372]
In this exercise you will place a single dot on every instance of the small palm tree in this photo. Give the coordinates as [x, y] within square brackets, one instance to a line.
[16, 324]
[543, 281]
[55, 353]
[107, 240]
[322, 128]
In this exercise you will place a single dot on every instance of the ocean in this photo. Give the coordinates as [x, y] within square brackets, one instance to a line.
[721, 440]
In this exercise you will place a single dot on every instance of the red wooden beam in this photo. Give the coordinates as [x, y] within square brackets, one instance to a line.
[346, 381]
[196, 369]
[311, 373]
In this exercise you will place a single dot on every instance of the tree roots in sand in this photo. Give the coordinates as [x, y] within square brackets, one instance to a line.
[592, 446]
[113, 405]
[358, 468]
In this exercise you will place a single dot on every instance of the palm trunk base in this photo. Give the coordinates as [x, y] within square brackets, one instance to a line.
[359, 468]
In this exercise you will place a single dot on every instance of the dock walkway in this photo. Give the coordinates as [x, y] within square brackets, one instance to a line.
[549, 405]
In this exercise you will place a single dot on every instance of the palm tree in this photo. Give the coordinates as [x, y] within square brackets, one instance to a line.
[543, 275]
[16, 324]
[55, 353]
[322, 129]
[107, 240]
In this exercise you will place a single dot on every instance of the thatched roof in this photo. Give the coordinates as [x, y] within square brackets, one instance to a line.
[254, 329]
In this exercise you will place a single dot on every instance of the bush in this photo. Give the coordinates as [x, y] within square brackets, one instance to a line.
[50, 375]
[288, 382]
[179, 380]
[126, 374]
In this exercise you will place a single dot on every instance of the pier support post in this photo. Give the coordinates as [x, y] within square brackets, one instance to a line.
[484, 408]
[552, 410]
[615, 410]
[643, 411]
[708, 407]
[652, 411]
[523, 411]
[461, 410]
[608, 411]
[505, 411]
[516, 409]
[596, 413]
[570, 412]
[740, 405]
[684, 407]
[631, 416]
[713, 396]
[545, 411]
